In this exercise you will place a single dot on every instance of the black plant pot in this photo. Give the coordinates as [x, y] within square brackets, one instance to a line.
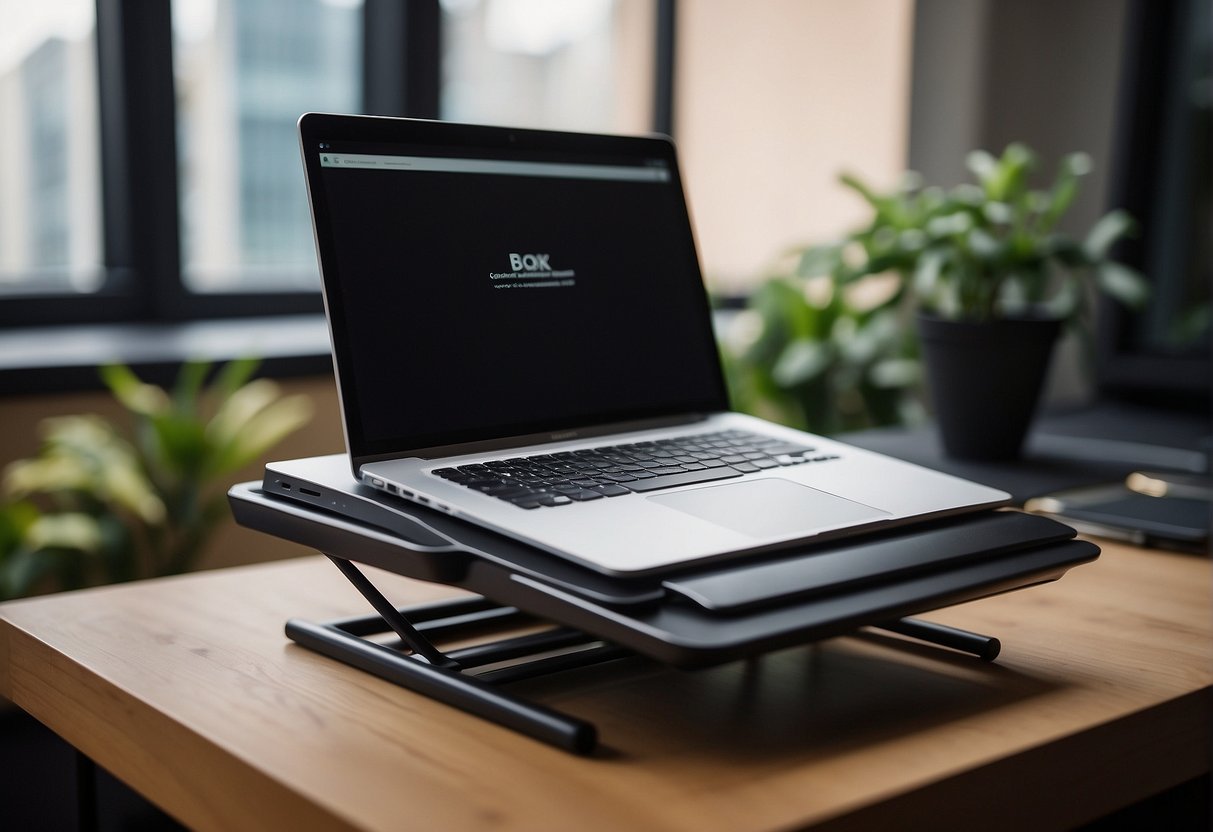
[985, 379]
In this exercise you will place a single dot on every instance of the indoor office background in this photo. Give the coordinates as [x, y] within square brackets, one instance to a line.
[152, 204]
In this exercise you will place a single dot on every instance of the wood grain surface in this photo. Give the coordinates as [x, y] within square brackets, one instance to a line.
[187, 689]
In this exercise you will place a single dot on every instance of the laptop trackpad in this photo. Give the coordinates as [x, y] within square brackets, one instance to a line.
[769, 507]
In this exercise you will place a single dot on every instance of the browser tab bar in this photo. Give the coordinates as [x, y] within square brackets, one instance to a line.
[500, 167]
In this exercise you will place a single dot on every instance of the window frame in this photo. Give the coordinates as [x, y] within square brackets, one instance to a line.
[141, 247]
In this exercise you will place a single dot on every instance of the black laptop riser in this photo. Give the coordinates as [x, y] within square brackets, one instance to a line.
[1004, 551]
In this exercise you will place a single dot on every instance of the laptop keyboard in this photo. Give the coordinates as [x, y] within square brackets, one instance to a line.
[615, 470]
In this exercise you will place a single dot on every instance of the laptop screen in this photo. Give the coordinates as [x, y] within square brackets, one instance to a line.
[484, 283]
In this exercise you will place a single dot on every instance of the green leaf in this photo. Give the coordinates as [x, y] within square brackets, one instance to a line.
[1010, 176]
[1124, 284]
[66, 530]
[266, 428]
[982, 164]
[145, 399]
[188, 383]
[1065, 301]
[819, 260]
[1110, 228]
[871, 197]
[984, 246]
[1064, 189]
[892, 373]
[233, 375]
[801, 361]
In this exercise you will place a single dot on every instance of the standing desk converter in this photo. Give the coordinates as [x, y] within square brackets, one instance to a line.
[701, 616]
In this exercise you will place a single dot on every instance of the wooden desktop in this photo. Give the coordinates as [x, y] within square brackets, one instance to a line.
[187, 689]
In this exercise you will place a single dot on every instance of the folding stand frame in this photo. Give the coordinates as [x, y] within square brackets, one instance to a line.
[696, 617]
[417, 664]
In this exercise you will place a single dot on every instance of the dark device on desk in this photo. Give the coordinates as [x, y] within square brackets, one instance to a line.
[1163, 510]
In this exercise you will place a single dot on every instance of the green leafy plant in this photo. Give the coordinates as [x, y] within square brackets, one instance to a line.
[986, 250]
[817, 355]
[97, 505]
[826, 343]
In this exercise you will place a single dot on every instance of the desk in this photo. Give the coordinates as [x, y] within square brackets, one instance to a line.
[186, 689]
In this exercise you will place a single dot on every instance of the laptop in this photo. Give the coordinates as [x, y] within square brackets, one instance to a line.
[522, 339]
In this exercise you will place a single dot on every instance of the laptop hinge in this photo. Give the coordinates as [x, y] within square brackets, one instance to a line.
[547, 437]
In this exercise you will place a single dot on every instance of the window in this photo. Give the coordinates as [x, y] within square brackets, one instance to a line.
[155, 175]
[50, 213]
[244, 72]
[556, 64]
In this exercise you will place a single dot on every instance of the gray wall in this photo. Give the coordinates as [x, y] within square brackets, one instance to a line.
[1043, 72]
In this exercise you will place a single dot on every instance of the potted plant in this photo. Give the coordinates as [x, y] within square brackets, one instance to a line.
[100, 504]
[993, 281]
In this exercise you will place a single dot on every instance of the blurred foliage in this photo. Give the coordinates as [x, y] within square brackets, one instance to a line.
[97, 506]
[823, 357]
[827, 342]
[986, 250]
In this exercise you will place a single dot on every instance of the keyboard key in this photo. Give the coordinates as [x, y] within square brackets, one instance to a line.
[790, 450]
[745, 467]
[585, 495]
[554, 500]
[610, 490]
[685, 478]
[764, 463]
[507, 492]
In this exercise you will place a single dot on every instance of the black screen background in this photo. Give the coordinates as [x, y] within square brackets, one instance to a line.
[437, 355]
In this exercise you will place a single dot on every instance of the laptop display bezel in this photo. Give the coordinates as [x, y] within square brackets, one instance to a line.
[448, 138]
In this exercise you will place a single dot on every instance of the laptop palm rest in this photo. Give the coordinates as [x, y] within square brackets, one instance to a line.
[766, 508]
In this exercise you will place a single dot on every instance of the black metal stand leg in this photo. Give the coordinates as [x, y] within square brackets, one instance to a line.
[440, 675]
[984, 647]
[446, 685]
[422, 667]
[391, 616]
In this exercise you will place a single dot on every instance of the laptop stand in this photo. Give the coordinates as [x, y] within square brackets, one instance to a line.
[417, 664]
[694, 618]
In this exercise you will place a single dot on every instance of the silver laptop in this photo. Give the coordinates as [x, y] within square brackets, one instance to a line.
[522, 339]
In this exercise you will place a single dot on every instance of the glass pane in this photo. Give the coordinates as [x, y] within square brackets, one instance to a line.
[50, 197]
[245, 71]
[559, 64]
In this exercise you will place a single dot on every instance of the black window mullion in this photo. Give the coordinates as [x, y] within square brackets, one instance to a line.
[402, 57]
[663, 80]
[139, 154]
